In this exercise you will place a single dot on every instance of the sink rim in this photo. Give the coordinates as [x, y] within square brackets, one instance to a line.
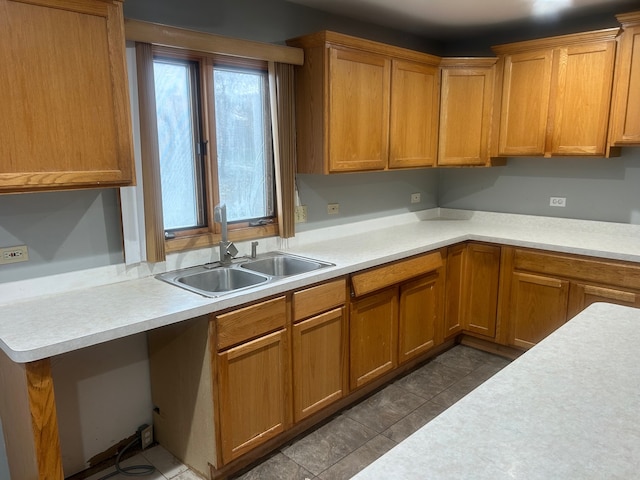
[283, 257]
[174, 278]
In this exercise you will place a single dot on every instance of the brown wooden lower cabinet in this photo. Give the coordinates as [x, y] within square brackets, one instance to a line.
[454, 290]
[253, 376]
[420, 314]
[538, 306]
[482, 277]
[319, 347]
[252, 393]
[395, 316]
[318, 360]
[541, 290]
[373, 334]
[473, 276]
[225, 385]
[582, 295]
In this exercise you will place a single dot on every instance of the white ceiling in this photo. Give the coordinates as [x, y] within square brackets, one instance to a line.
[447, 16]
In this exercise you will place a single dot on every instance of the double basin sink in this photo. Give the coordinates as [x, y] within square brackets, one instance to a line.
[213, 280]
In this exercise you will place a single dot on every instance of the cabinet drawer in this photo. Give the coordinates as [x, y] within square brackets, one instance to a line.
[250, 322]
[318, 299]
[609, 272]
[397, 272]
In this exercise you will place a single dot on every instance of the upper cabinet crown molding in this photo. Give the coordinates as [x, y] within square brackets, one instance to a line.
[625, 110]
[557, 41]
[326, 38]
[64, 106]
[556, 95]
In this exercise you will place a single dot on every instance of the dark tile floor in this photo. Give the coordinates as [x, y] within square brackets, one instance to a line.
[357, 436]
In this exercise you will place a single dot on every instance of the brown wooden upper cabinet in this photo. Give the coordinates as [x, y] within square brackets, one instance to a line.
[555, 95]
[465, 111]
[625, 109]
[363, 105]
[64, 105]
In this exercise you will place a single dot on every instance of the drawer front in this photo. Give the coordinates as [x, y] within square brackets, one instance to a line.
[250, 322]
[607, 272]
[392, 274]
[318, 299]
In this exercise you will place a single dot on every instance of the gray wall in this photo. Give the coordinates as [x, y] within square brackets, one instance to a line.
[64, 231]
[595, 188]
[364, 196]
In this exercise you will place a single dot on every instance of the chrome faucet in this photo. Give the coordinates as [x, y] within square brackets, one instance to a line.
[227, 249]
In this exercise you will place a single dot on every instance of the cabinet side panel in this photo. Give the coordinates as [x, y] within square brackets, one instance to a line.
[310, 112]
[181, 390]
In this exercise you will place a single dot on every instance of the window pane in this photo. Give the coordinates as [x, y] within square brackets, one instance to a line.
[243, 138]
[176, 106]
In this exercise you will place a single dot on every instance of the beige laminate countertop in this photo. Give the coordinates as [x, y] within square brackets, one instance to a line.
[54, 324]
[566, 409]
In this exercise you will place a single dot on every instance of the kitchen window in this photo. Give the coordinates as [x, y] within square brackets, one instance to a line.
[214, 145]
[208, 123]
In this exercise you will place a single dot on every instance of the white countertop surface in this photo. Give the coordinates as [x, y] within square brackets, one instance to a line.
[566, 409]
[49, 325]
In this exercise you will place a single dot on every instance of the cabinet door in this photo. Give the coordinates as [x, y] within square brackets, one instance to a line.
[413, 134]
[483, 277]
[465, 116]
[454, 290]
[581, 99]
[525, 103]
[582, 295]
[358, 121]
[373, 328]
[420, 313]
[538, 307]
[625, 114]
[318, 362]
[64, 106]
[252, 393]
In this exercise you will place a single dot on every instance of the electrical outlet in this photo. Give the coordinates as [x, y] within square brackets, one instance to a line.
[16, 254]
[333, 208]
[146, 436]
[300, 215]
[557, 201]
[415, 198]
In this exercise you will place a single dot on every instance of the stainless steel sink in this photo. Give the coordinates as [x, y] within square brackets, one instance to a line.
[213, 282]
[284, 265]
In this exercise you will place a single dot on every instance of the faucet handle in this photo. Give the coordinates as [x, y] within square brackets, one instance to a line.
[231, 249]
[254, 249]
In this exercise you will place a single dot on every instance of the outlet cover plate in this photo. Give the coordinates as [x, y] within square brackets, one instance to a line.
[16, 254]
[557, 201]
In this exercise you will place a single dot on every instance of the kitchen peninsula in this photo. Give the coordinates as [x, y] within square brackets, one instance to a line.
[565, 409]
[37, 329]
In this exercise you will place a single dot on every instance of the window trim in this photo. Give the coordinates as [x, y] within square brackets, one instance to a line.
[157, 245]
